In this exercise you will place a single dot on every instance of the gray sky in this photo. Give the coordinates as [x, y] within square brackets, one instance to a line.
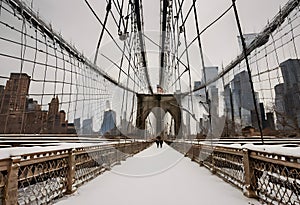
[77, 24]
[220, 45]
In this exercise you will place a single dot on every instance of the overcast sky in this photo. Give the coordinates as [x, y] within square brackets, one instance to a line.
[78, 25]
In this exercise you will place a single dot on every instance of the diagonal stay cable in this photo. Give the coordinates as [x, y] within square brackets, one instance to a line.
[259, 41]
[125, 45]
[116, 65]
[187, 58]
[205, 29]
[156, 44]
[125, 26]
[108, 9]
[179, 10]
[108, 32]
[189, 12]
[179, 75]
[39, 24]
[120, 12]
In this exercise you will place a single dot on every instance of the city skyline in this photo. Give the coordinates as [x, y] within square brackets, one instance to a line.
[77, 87]
[14, 98]
[21, 114]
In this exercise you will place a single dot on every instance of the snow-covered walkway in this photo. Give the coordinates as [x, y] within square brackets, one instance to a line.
[157, 177]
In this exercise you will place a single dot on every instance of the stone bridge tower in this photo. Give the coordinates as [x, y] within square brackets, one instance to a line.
[158, 104]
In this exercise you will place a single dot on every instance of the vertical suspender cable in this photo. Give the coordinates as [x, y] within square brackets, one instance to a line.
[248, 68]
[203, 64]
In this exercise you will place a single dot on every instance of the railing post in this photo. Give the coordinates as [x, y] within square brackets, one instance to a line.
[71, 172]
[118, 156]
[248, 189]
[193, 158]
[185, 150]
[201, 163]
[130, 149]
[11, 188]
[123, 152]
[109, 158]
[213, 168]
[200, 153]
[134, 148]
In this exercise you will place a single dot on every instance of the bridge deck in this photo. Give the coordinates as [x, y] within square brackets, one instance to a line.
[157, 176]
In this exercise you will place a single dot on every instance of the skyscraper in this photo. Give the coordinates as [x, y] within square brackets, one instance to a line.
[291, 72]
[2, 88]
[20, 114]
[287, 98]
[15, 93]
[109, 121]
[197, 84]
[209, 74]
[56, 122]
[87, 126]
[53, 107]
[242, 98]
[77, 125]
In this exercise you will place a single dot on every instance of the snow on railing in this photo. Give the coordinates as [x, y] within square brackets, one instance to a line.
[273, 178]
[42, 177]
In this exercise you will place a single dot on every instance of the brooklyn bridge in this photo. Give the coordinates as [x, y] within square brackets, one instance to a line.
[143, 102]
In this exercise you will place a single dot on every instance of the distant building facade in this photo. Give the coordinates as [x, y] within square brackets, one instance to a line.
[287, 99]
[20, 114]
[239, 106]
[209, 96]
[109, 122]
[209, 74]
[87, 126]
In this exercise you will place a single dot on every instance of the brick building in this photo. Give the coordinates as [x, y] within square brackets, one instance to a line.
[20, 114]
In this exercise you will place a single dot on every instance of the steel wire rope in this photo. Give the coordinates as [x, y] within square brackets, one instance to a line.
[206, 28]
[108, 32]
[104, 28]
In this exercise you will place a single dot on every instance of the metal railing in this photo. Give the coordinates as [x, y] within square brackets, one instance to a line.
[271, 178]
[42, 177]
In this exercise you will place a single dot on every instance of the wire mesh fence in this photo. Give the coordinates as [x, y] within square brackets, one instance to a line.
[270, 67]
[276, 178]
[3, 178]
[42, 182]
[262, 98]
[47, 85]
[43, 177]
[271, 178]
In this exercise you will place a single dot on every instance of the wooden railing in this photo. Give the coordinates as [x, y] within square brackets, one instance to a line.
[41, 178]
[271, 178]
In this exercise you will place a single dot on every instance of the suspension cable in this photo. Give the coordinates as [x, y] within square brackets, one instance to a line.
[108, 9]
[206, 28]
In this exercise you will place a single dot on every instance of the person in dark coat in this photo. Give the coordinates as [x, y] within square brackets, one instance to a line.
[157, 142]
[161, 142]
